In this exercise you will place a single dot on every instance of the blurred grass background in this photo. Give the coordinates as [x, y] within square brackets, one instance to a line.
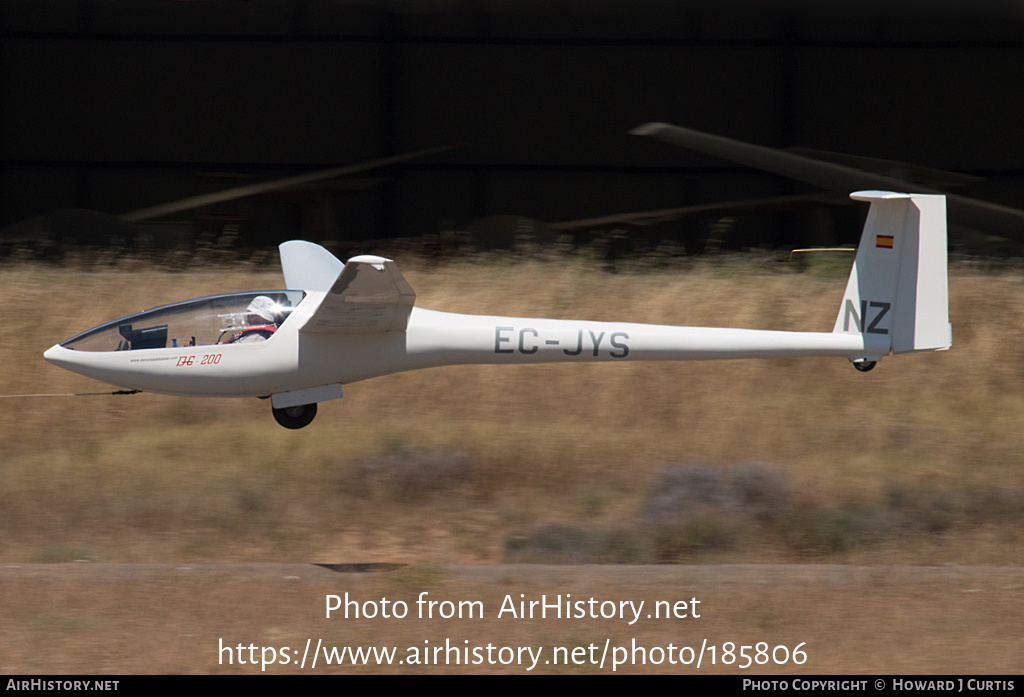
[918, 461]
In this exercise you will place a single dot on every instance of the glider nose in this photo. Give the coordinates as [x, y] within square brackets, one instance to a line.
[75, 361]
[57, 355]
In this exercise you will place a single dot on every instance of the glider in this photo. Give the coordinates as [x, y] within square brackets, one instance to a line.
[843, 173]
[336, 323]
[88, 227]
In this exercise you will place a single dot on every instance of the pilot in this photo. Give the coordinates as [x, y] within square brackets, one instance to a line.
[261, 312]
[262, 319]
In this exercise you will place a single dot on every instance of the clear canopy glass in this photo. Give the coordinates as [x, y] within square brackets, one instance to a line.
[214, 319]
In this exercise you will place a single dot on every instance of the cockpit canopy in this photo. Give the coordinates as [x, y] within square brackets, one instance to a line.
[214, 319]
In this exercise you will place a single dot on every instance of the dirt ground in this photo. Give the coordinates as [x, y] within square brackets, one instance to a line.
[732, 619]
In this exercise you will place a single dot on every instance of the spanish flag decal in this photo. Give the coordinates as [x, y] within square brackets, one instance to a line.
[884, 241]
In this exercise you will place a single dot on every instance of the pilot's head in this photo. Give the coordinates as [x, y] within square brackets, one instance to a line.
[261, 311]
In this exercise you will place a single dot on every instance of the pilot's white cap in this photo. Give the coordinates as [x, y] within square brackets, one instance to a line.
[262, 306]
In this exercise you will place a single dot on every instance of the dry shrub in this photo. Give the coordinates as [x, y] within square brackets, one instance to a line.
[925, 508]
[561, 543]
[707, 531]
[751, 489]
[681, 491]
[761, 489]
[406, 476]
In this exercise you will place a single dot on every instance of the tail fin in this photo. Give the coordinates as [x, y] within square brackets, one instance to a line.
[898, 286]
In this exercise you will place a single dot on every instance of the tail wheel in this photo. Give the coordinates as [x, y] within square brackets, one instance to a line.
[865, 366]
[295, 417]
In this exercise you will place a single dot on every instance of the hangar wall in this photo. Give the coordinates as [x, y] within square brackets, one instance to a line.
[114, 105]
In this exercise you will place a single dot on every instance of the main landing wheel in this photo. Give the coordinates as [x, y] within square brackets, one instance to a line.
[865, 366]
[295, 417]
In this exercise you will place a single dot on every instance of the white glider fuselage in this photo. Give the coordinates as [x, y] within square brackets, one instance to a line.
[292, 360]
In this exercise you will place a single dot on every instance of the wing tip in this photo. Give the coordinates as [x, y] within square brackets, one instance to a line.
[874, 195]
[370, 259]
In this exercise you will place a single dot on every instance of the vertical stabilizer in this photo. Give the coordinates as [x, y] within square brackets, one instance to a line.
[898, 286]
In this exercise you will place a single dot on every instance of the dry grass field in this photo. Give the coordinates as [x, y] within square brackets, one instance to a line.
[918, 463]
